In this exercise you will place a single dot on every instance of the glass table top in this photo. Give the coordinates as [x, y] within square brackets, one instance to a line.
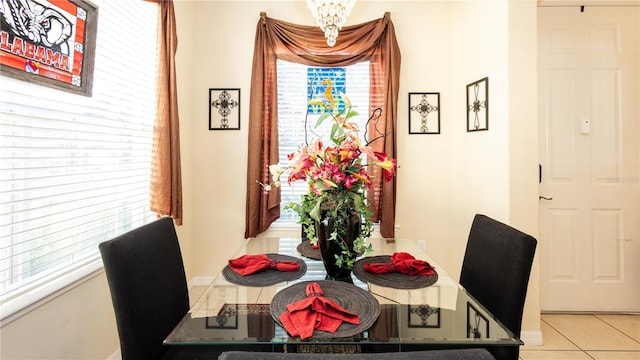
[439, 315]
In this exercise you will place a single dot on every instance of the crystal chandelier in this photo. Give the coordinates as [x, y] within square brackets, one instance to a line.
[331, 15]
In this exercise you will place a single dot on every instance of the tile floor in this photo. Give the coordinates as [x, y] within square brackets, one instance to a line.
[587, 337]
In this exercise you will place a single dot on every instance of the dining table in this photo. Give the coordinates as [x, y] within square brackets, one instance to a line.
[397, 312]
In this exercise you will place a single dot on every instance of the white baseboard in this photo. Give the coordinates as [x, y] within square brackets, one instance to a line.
[200, 281]
[532, 338]
[116, 355]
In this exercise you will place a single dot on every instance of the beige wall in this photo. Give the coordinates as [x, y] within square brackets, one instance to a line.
[443, 180]
[79, 324]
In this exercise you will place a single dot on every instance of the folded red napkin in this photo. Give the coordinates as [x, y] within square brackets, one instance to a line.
[251, 264]
[315, 312]
[401, 262]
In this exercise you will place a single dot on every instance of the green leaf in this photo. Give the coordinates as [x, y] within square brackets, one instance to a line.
[351, 114]
[357, 202]
[345, 100]
[321, 118]
[316, 102]
[336, 133]
[315, 211]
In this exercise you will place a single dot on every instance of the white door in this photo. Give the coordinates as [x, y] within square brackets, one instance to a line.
[589, 104]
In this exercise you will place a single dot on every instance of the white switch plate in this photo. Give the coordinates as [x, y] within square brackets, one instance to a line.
[422, 245]
[585, 126]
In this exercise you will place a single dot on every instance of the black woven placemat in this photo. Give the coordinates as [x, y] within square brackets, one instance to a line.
[349, 296]
[305, 249]
[394, 280]
[266, 277]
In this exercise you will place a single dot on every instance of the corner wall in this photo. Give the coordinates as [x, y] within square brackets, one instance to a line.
[495, 171]
[480, 180]
[523, 146]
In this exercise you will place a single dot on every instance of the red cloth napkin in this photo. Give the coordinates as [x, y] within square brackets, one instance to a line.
[401, 262]
[251, 264]
[315, 312]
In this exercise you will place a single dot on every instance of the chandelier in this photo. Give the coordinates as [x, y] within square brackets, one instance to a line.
[331, 15]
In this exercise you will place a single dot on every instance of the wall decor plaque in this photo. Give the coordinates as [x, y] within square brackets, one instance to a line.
[478, 105]
[224, 109]
[424, 113]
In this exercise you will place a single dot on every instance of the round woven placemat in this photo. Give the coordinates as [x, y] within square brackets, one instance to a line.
[349, 296]
[266, 277]
[305, 249]
[394, 280]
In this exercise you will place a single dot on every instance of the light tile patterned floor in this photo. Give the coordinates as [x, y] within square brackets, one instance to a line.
[587, 337]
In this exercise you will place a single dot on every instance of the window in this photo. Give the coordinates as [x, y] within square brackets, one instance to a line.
[293, 93]
[74, 170]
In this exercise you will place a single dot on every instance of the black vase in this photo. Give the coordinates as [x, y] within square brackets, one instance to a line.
[330, 248]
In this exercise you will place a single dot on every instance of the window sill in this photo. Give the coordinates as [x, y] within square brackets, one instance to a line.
[292, 229]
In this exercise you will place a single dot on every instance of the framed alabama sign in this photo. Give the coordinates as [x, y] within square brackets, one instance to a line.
[49, 42]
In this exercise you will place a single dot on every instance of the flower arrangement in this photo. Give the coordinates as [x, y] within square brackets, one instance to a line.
[337, 177]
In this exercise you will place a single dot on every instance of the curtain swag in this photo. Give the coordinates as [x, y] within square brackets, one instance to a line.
[166, 177]
[373, 41]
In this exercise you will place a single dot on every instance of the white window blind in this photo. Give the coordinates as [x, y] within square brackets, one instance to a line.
[293, 82]
[74, 170]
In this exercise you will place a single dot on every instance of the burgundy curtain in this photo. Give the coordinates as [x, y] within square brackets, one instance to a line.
[166, 177]
[373, 41]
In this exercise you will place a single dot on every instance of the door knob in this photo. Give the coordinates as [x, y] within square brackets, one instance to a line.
[545, 198]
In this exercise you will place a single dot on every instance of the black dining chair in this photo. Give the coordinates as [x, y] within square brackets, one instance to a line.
[448, 354]
[495, 271]
[149, 292]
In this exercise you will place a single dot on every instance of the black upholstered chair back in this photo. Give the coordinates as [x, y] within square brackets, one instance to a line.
[495, 270]
[148, 287]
